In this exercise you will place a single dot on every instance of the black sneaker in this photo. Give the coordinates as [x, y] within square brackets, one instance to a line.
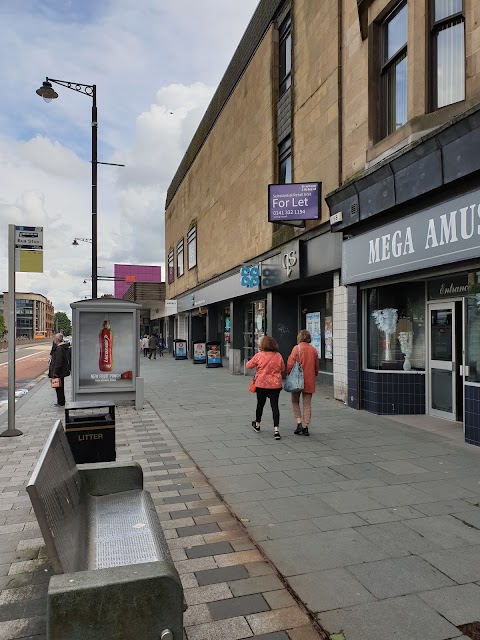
[255, 427]
[299, 429]
[305, 432]
[276, 435]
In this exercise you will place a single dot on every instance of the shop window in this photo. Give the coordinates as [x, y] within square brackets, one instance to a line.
[285, 161]
[226, 331]
[255, 323]
[285, 55]
[395, 327]
[394, 69]
[180, 260]
[171, 267]
[317, 317]
[447, 52]
[192, 247]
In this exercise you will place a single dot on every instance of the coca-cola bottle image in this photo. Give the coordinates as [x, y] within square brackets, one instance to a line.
[105, 360]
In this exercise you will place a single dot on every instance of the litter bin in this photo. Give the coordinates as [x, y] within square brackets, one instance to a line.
[90, 431]
[199, 353]
[180, 349]
[214, 354]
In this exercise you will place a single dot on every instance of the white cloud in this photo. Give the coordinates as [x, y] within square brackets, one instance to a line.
[156, 66]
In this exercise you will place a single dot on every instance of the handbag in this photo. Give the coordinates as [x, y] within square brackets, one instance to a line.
[295, 380]
[253, 387]
[56, 383]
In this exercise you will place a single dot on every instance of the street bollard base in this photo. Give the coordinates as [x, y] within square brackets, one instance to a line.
[9, 433]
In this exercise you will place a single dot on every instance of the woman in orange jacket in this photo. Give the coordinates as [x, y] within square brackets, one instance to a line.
[308, 358]
[268, 381]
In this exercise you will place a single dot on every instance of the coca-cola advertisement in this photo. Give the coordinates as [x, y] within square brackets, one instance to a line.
[107, 357]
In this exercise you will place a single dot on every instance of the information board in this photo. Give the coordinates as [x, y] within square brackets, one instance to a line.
[313, 326]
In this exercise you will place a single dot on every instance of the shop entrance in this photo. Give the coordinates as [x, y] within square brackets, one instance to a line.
[445, 360]
[199, 330]
[255, 323]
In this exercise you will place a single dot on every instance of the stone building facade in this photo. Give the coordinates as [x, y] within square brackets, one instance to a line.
[34, 314]
[325, 92]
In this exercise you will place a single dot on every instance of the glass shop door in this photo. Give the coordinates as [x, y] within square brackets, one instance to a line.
[445, 360]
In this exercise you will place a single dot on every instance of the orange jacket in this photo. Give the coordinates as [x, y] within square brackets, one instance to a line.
[270, 366]
[308, 358]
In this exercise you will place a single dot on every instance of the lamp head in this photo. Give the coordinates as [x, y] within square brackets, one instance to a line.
[47, 92]
[75, 243]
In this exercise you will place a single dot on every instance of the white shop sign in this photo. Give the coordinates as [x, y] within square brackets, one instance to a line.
[448, 232]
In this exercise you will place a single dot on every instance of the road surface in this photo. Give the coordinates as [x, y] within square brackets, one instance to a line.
[31, 364]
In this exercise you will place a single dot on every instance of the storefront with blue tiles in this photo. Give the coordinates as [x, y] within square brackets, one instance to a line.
[411, 264]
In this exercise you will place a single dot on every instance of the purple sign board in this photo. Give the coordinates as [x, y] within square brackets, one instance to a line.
[292, 202]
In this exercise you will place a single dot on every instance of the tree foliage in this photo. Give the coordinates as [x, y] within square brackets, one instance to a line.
[3, 326]
[62, 323]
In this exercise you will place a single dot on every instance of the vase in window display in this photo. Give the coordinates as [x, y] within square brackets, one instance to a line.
[386, 321]
[405, 339]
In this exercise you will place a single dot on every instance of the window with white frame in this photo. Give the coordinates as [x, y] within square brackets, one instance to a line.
[285, 55]
[285, 161]
[394, 69]
[171, 267]
[192, 247]
[448, 52]
[180, 260]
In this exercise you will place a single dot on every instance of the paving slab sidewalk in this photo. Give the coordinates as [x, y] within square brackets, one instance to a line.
[231, 590]
[373, 524]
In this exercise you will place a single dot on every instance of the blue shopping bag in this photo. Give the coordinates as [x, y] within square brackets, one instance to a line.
[294, 381]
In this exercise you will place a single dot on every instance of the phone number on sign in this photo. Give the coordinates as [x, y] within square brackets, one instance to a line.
[289, 212]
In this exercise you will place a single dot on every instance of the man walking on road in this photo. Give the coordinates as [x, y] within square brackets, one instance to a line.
[152, 345]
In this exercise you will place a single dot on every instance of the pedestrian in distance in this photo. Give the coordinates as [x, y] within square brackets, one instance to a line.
[59, 368]
[308, 358]
[161, 345]
[145, 346]
[152, 346]
[269, 366]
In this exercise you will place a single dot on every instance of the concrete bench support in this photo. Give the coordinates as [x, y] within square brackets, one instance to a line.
[115, 578]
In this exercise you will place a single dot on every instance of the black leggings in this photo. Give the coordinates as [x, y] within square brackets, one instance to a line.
[262, 395]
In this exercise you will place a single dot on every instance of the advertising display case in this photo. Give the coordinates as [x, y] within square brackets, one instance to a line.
[214, 354]
[180, 349]
[199, 353]
[105, 352]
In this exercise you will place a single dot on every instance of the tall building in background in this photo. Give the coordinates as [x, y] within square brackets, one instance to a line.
[34, 314]
[130, 273]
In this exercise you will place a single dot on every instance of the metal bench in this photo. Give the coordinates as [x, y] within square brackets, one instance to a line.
[115, 577]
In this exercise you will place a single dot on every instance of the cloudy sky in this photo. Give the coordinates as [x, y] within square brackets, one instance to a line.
[156, 64]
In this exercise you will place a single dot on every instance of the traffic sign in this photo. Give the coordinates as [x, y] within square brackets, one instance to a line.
[29, 238]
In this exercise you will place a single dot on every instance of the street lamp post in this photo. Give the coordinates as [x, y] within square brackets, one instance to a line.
[48, 93]
[75, 241]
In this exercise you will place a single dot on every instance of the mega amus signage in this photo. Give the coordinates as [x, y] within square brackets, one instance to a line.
[291, 202]
[448, 232]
